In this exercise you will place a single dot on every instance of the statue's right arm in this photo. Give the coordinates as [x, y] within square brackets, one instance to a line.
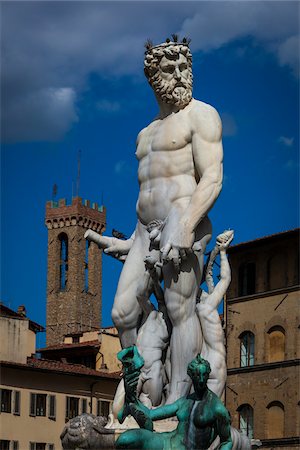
[166, 411]
[215, 298]
[117, 248]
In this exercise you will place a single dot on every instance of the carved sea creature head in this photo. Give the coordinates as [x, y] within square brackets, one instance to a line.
[87, 432]
[199, 370]
[171, 83]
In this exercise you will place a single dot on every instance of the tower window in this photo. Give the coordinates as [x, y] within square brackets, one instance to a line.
[247, 349]
[246, 420]
[247, 276]
[63, 272]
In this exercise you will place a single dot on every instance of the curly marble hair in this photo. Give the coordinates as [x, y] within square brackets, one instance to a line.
[170, 49]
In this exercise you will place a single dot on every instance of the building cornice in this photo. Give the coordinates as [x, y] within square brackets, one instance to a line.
[55, 367]
[247, 298]
[265, 366]
[282, 442]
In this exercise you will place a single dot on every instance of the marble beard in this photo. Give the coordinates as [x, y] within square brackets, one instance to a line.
[180, 176]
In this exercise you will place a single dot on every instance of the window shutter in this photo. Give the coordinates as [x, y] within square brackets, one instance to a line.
[83, 405]
[52, 407]
[17, 403]
[67, 407]
[32, 407]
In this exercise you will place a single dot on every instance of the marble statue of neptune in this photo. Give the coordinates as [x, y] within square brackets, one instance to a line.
[180, 177]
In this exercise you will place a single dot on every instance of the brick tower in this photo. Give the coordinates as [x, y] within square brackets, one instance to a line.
[74, 280]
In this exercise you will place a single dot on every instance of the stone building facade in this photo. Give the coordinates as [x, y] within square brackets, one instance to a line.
[74, 277]
[262, 338]
[39, 395]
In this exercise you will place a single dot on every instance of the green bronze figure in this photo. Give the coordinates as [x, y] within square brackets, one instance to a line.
[201, 415]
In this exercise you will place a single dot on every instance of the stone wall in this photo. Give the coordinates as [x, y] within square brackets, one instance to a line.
[271, 379]
[76, 307]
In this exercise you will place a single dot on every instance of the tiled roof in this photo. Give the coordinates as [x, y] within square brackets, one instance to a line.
[60, 367]
[258, 240]
[94, 343]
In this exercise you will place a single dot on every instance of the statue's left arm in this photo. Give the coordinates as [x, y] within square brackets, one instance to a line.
[208, 157]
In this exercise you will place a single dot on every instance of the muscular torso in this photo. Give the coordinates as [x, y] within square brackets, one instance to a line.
[166, 172]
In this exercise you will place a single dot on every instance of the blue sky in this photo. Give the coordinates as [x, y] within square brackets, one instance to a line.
[72, 78]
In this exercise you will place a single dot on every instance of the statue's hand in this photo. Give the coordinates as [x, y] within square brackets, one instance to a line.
[178, 245]
[117, 248]
[142, 415]
[224, 239]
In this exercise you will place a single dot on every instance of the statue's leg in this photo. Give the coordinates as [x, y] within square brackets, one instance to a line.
[153, 386]
[186, 338]
[126, 310]
[180, 298]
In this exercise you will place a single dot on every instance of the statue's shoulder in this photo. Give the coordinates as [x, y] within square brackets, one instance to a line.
[205, 120]
[218, 406]
[147, 129]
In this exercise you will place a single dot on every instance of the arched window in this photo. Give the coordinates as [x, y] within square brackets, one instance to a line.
[246, 420]
[247, 278]
[86, 266]
[247, 341]
[275, 420]
[276, 344]
[63, 264]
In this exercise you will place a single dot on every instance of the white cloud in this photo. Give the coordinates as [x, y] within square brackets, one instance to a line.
[273, 24]
[286, 141]
[108, 106]
[288, 53]
[53, 45]
[52, 112]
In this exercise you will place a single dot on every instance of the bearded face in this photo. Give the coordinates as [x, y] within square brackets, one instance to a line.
[173, 80]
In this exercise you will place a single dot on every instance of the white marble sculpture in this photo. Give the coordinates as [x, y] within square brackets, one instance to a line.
[213, 348]
[180, 176]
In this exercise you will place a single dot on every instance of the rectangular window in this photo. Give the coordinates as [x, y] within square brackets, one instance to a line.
[50, 446]
[52, 407]
[6, 400]
[38, 404]
[103, 407]
[83, 405]
[4, 445]
[15, 445]
[41, 404]
[40, 446]
[37, 446]
[16, 403]
[72, 404]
